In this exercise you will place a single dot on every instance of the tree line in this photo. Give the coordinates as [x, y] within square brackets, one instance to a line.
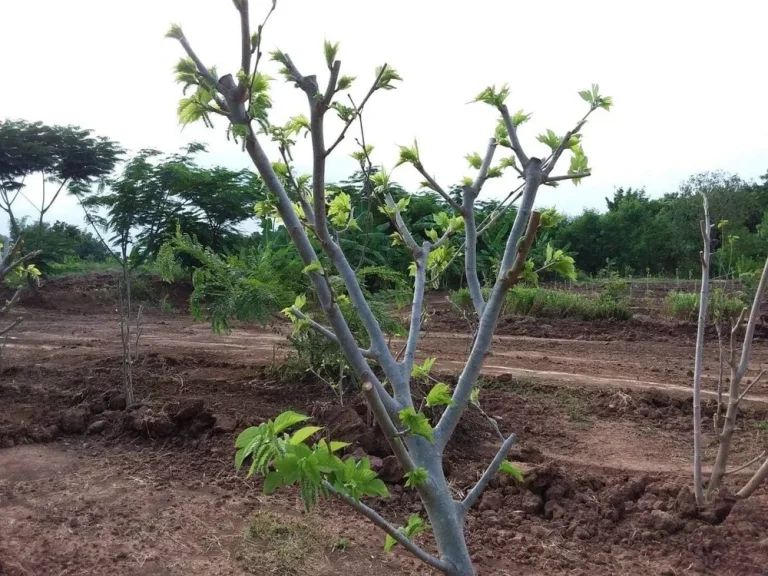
[140, 203]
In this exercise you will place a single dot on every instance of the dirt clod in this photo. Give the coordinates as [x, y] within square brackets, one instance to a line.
[96, 427]
[224, 424]
[391, 471]
[491, 501]
[74, 420]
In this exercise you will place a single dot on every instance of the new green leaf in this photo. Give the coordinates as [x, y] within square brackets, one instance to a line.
[417, 423]
[440, 395]
[508, 468]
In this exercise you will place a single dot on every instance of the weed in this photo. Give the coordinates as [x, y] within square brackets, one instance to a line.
[762, 425]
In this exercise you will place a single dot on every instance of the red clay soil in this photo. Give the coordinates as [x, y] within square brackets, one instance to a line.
[90, 486]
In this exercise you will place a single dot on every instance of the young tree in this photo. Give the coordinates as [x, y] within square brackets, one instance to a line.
[62, 155]
[738, 369]
[313, 219]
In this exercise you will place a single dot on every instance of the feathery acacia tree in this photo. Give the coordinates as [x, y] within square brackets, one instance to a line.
[62, 155]
[316, 221]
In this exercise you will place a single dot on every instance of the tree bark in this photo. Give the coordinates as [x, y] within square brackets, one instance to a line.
[703, 301]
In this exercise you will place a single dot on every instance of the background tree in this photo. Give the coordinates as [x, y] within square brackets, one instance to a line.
[62, 242]
[154, 195]
[61, 155]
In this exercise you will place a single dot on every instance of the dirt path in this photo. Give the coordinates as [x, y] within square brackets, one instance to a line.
[603, 420]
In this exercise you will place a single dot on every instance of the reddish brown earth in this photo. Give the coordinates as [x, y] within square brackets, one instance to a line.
[602, 411]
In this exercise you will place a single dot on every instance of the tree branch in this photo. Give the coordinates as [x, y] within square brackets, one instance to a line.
[747, 465]
[470, 252]
[552, 160]
[400, 224]
[56, 195]
[754, 314]
[514, 140]
[698, 483]
[401, 539]
[532, 183]
[331, 89]
[437, 188]
[205, 72]
[754, 482]
[482, 174]
[358, 111]
[11, 326]
[306, 251]
[320, 329]
[567, 177]
[513, 274]
[493, 306]
[419, 287]
[245, 35]
[749, 386]
[331, 248]
[308, 211]
[489, 473]
[391, 433]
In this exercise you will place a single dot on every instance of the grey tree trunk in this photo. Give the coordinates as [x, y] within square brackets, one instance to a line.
[703, 301]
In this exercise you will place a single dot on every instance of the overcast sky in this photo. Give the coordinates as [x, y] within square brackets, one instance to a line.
[687, 77]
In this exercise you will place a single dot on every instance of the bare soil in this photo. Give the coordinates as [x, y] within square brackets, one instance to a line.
[90, 486]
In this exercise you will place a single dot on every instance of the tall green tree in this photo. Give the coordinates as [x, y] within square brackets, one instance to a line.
[156, 194]
[61, 155]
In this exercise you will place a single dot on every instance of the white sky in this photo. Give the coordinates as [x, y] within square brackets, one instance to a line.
[687, 77]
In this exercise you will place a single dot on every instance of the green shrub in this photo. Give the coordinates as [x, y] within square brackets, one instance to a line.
[462, 299]
[555, 304]
[248, 286]
[614, 288]
[685, 305]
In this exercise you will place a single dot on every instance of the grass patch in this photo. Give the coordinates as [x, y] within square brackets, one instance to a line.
[762, 425]
[545, 303]
[685, 305]
[76, 266]
[282, 545]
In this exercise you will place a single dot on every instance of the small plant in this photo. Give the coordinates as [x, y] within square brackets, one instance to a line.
[614, 288]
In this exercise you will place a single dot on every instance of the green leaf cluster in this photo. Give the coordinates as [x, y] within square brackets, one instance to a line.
[285, 459]
[416, 525]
